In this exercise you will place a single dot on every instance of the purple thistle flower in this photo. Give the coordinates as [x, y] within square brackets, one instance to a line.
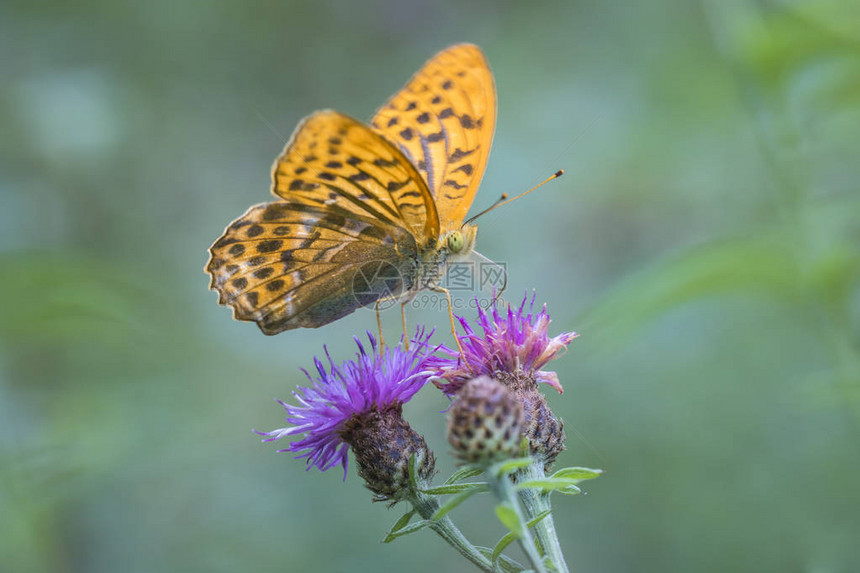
[371, 382]
[516, 340]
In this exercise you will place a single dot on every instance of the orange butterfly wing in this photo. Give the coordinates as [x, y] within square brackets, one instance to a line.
[354, 218]
[443, 121]
[332, 159]
[352, 196]
[287, 265]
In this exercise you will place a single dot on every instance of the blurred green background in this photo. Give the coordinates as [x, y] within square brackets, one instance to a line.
[705, 242]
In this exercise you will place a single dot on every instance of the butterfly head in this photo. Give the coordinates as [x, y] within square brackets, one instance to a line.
[460, 242]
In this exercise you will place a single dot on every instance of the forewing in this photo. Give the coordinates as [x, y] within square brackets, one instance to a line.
[443, 121]
[287, 265]
[334, 160]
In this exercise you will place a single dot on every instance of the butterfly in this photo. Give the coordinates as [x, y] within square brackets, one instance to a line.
[364, 213]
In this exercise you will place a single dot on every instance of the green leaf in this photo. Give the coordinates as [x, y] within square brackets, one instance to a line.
[509, 538]
[503, 543]
[455, 501]
[401, 523]
[509, 518]
[533, 521]
[510, 466]
[561, 485]
[465, 472]
[455, 488]
[501, 562]
[577, 474]
[417, 526]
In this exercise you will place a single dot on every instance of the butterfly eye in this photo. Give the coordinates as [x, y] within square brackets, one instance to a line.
[456, 242]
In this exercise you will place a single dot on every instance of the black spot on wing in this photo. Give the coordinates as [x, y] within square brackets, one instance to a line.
[460, 154]
[301, 185]
[269, 246]
[275, 211]
[308, 242]
[333, 220]
[321, 254]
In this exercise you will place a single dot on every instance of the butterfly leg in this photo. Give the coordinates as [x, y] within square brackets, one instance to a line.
[403, 320]
[379, 326]
[451, 316]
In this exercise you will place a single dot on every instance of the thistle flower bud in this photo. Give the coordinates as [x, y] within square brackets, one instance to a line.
[485, 423]
[383, 442]
[544, 431]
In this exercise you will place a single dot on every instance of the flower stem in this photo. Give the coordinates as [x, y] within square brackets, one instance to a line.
[535, 502]
[426, 506]
[502, 486]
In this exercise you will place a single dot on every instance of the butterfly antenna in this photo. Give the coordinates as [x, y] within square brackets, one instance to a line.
[504, 198]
